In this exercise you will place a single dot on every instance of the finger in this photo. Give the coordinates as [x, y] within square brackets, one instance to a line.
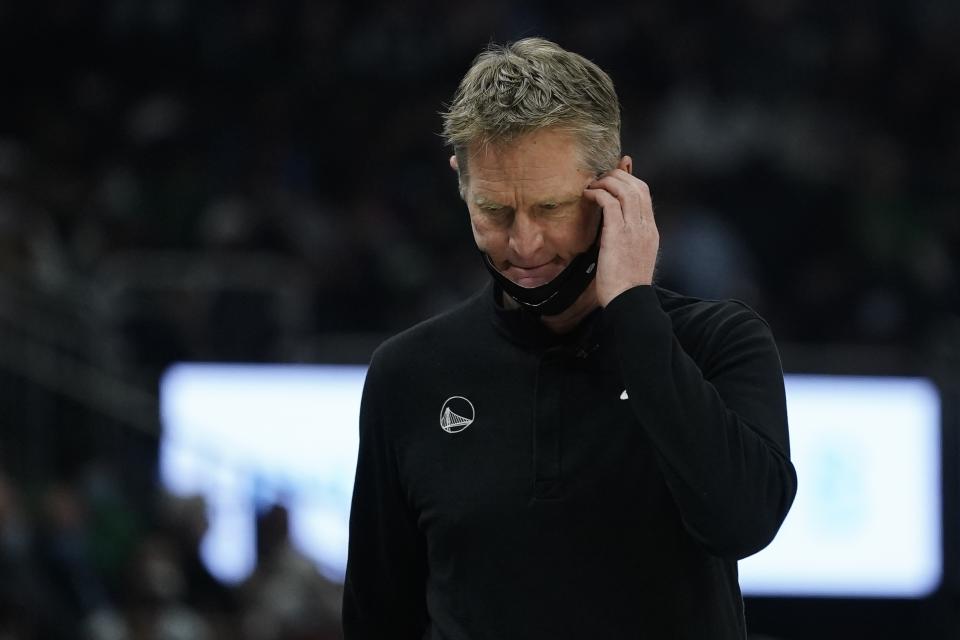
[633, 194]
[625, 178]
[612, 210]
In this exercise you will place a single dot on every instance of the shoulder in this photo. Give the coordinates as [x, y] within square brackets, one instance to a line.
[434, 338]
[716, 332]
[692, 314]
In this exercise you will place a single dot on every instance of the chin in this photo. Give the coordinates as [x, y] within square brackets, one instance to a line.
[531, 283]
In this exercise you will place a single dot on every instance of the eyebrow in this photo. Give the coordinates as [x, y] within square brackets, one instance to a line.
[561, 200]
[486, 203]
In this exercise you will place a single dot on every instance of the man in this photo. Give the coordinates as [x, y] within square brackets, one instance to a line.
[573, 452]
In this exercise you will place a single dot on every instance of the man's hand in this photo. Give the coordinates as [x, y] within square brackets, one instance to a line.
[629, 240]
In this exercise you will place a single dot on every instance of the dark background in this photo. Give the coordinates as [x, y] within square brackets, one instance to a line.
[264, 182]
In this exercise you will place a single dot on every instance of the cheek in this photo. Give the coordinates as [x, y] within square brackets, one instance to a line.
[577, 233]
[589, 223]
[487, 236]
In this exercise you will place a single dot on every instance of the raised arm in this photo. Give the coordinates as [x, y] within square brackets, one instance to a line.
[719, 427]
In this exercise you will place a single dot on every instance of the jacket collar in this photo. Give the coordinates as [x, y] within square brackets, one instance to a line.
[525, 329]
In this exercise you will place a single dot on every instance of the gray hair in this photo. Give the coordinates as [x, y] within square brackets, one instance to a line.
[534, 84]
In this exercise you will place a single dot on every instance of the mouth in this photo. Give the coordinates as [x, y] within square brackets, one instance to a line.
[533, 276]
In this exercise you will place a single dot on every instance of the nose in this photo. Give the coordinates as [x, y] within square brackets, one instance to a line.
[525, 236]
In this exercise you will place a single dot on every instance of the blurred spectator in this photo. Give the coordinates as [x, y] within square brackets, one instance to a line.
[20, 595]
[185, 523]
[74, 588]
[287, 598]
[704, 256]
[158, 589]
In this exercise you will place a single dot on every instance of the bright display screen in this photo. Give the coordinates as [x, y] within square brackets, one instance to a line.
[866, 521]
[249, 436]
[867, 518]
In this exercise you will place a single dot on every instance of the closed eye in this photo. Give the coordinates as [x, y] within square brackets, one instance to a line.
[497, 214]
[557, 206]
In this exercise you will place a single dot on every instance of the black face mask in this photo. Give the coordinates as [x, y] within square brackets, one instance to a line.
[558, 294]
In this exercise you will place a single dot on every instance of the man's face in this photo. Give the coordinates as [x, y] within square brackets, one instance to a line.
[527, 207]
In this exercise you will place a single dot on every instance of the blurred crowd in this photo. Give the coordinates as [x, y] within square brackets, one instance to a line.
[803, 158]
[218, 176]
[78, 561]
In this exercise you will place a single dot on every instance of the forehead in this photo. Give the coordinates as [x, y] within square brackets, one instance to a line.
[545, 162]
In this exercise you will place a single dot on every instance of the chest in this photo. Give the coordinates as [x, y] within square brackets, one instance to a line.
[494, 439]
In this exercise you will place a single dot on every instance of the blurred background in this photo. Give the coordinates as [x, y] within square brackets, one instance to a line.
[264, 182]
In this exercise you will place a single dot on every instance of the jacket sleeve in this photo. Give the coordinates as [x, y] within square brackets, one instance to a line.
[719, 428]
[385, 587]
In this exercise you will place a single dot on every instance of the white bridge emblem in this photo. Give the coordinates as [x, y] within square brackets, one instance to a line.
[456, 414]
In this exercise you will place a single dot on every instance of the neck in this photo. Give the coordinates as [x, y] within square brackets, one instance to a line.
[568, 319]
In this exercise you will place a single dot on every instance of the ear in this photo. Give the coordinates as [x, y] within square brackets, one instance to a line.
[626, 163]
[456, 168]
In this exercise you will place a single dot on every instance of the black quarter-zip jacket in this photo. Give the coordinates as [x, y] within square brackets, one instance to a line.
[600, 484]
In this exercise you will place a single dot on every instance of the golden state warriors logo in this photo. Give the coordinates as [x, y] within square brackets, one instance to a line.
[456, 414]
